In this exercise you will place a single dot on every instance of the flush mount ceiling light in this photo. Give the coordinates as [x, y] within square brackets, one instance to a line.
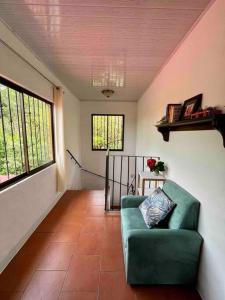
[108, 93]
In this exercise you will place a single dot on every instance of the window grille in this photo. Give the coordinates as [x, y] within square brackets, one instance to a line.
[108, 132]
[26, 134]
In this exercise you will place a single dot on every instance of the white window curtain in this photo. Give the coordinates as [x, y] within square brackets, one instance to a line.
[59, 139]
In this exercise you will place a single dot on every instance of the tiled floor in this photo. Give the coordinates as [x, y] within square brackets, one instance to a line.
[76, 254]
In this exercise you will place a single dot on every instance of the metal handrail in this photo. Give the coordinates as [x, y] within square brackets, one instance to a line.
[131, 184]
[90, 172]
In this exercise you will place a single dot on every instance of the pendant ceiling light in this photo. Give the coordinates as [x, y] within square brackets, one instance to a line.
[108, 93]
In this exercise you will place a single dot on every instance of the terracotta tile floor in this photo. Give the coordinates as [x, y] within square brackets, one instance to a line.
[76, 253]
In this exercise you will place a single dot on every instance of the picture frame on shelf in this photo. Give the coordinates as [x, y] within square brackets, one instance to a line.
[191, 106]
[173, 112]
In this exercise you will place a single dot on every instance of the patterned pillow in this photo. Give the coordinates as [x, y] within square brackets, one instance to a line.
[156, 207]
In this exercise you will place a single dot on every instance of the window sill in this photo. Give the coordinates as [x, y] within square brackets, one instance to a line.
[14, 181]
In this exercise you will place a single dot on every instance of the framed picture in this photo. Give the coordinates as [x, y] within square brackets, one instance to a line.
[191, 106]
[173, 112]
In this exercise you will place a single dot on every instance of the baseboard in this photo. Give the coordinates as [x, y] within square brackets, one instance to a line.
[20, 244]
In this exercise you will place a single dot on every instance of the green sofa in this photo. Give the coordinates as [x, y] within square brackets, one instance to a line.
[162, 255]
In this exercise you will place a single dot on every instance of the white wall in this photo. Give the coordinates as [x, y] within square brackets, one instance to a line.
[25, 204]
[196, 159]
[22, 208]
[95, 160]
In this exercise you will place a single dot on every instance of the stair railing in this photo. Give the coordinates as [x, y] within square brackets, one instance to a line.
[112, 199]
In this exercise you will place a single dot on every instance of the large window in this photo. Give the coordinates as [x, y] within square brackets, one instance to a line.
[107, 132]
[26, 135]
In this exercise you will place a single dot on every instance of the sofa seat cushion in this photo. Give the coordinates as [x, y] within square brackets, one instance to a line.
[132, 219]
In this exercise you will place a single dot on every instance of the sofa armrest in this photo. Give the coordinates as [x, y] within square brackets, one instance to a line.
[173, 254]
[131, 201]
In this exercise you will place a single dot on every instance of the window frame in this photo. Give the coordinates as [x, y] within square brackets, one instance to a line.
[92, 131]
[28, 172]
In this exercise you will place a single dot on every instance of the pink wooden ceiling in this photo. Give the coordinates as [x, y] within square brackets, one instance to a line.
[94, 44]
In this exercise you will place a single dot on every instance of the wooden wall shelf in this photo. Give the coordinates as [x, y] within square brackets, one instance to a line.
[217, 122]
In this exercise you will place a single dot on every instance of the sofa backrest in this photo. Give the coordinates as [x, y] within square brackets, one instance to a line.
[186, 212]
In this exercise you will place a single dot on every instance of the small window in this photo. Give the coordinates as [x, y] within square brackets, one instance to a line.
[26, 135]
[107, 132]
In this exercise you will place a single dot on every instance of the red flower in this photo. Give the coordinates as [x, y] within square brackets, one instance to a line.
[151, 164]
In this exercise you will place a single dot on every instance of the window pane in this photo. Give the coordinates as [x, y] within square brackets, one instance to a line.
[107, 132]
[99, 124]
[11, 137]
[115, 137]
[39, 131]
[25, 132]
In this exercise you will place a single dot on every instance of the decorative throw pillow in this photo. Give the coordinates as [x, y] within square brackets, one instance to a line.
[156, 207]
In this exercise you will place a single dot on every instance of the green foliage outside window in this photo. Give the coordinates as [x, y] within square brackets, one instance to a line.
[107, 132]
[25, 135]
